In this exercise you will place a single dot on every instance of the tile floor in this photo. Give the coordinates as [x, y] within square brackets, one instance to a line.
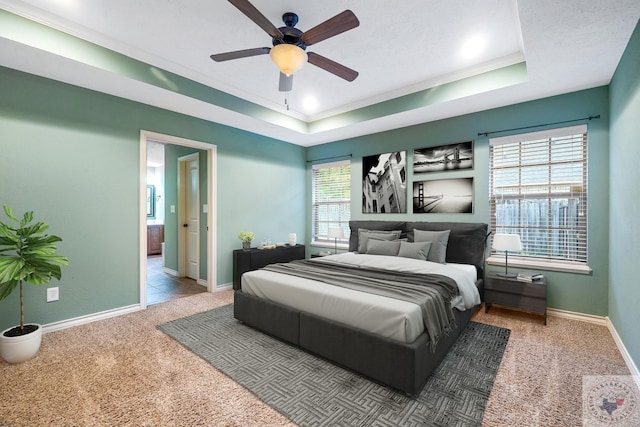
[162, 287]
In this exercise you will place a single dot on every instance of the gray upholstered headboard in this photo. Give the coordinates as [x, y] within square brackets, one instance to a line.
[467, 241]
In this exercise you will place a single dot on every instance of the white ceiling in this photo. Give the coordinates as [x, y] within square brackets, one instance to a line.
[399, 48]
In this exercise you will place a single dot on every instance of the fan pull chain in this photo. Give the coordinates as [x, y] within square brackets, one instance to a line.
[286, 100]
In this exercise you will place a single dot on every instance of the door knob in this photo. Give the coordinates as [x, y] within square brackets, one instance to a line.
[185, 225]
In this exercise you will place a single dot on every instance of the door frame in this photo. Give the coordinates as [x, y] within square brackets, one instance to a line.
[212, 192]
[183, 162]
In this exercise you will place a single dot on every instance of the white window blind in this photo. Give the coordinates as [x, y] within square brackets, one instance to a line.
[331, 194]
[538, 189]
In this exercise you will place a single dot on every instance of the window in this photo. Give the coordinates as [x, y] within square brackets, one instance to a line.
[538, 189]
[331, 194]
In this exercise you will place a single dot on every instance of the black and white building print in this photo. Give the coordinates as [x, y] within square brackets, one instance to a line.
[384, 183]
[443, 196]
[443, 158]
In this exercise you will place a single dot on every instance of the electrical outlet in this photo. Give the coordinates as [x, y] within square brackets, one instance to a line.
[53, 294]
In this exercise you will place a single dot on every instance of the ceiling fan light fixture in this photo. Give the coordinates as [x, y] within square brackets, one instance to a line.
[289, 58]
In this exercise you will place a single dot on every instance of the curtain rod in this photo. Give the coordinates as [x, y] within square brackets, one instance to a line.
[537, 126]
[329, 158]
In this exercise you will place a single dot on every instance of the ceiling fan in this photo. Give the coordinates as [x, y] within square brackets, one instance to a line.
[289, 43]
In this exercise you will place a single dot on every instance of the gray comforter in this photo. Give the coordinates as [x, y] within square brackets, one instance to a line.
[431, 292]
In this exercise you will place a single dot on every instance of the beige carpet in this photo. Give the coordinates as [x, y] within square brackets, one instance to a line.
[123, 371]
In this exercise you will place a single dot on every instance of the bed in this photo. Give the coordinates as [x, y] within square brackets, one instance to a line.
[397, 342]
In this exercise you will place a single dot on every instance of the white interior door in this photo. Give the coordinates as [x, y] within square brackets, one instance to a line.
[192, 201]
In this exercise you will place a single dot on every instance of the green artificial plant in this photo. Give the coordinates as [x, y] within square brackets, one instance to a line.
[246, 236]
[27, 255]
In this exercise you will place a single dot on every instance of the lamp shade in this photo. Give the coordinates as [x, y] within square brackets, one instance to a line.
[507, 242]
[289, 58]
[336, 233]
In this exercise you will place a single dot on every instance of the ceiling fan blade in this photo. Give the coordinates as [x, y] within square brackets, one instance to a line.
[286, 83]
[254, 14]
[332, 67]
[340, 23]
[219, 57]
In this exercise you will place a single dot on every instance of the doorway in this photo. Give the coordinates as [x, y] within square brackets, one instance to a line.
[208, 250]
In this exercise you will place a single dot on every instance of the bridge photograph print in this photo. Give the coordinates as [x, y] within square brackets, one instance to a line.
[443, 196]
[443, 158]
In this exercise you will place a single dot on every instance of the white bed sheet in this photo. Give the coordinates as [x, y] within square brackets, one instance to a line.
[389, 317]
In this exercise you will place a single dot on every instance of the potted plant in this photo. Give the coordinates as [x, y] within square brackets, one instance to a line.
[27, 255]
[246, 237]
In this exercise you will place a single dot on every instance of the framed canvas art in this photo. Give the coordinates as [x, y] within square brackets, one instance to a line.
[443, 196]
[384, 183]
[443, 158]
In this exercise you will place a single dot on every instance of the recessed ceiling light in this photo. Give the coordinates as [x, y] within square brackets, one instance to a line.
[310, 103]
[69, 3]
[472, 47]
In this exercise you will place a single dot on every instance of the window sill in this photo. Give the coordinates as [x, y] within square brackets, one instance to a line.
[563, 266]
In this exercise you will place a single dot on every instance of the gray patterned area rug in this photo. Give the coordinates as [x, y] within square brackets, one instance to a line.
[313, 392]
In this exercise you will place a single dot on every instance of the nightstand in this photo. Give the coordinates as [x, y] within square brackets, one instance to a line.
[253, 259]
[510, 292]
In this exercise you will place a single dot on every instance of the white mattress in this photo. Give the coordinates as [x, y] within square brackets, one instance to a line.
[391, 318]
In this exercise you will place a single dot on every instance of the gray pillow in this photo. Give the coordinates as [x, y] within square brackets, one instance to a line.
[354, 226]
[439, 239]
[382, 247]
[364, 235]
[417, 250]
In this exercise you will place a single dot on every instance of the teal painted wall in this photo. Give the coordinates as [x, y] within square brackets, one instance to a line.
[72, 156]
[574, 292]
[624, 239]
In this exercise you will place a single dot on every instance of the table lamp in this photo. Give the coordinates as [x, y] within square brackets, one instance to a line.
[506, 243]
[336, 233]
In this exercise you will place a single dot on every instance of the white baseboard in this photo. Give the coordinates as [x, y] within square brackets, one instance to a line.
[625, 354]
[174, 273]
[224, 287]
[589, 318]
[170, 272]
[76, 321]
